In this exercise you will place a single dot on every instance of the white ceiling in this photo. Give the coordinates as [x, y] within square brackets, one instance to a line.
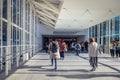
[77, 15]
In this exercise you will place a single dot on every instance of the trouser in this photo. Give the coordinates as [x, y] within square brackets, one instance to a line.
[93, 62]
[78, 52]
[117, 53]
[112, 52]
[62, 54]
[54, 62]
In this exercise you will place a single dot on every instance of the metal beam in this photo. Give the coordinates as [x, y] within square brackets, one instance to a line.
[43, 14]
[48, 24]
[45, 7]
[46, 20]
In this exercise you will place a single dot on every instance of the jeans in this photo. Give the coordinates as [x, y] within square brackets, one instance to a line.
[93, 62]
[112, 52]
[54, 62]
[62, 54]
[78, 52]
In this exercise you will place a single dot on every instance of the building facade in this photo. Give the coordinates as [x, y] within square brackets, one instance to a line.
[106, 32]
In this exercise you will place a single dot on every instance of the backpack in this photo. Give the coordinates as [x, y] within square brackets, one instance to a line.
[77, 46]
[53, 47]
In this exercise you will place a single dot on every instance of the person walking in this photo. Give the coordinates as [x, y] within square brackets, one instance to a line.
[112, 48]
[54, 52]
[73, 47]
[78, 48]
[93, 50]
[63, 48]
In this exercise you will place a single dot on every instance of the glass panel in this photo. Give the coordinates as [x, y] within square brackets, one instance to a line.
[17, 36]
[14, 35]
[14, 11]
[111, 27]
[96, 31]
[21, 10]
[92, 31]
[104, 28]
[4, 35]
[116, 25]
[89, 32]
[104, 40]
[116, 37]
[14, 47]
[100, 29]
[5, 9]
[18, 12]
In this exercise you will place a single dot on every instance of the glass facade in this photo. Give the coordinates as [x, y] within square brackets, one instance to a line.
[108, 31]
[17, 33]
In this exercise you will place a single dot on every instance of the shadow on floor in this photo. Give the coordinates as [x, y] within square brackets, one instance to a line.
[53, 70]
[109, 66]
[86, 76]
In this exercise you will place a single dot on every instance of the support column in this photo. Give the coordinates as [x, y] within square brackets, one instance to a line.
[8, 48]
[30, 30]
[1, 33]
[24, 55]
[109, 36]
[98, 33]
[35, 33]
[119, 29]
[1, 8]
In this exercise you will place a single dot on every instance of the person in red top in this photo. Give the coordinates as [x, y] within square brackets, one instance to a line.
[63, 48]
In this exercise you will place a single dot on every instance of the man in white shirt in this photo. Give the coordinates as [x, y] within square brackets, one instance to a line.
[93, 53]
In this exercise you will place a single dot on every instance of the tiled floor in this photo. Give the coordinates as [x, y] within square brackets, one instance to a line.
[71, 68]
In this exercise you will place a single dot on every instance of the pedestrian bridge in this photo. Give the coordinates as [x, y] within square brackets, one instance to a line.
[71, 68]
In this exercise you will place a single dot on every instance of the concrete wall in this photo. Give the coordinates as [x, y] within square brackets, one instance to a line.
[81, 38]
[42, 29]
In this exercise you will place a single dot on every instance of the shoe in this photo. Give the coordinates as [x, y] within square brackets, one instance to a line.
[93, 69]
[55, 68]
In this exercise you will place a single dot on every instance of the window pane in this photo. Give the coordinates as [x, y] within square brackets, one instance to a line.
[5, 9]
[116, 25]
[14, 11]
[4, 35]
[14, 35]
[104, 28]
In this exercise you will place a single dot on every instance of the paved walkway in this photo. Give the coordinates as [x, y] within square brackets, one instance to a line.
[71, 68]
